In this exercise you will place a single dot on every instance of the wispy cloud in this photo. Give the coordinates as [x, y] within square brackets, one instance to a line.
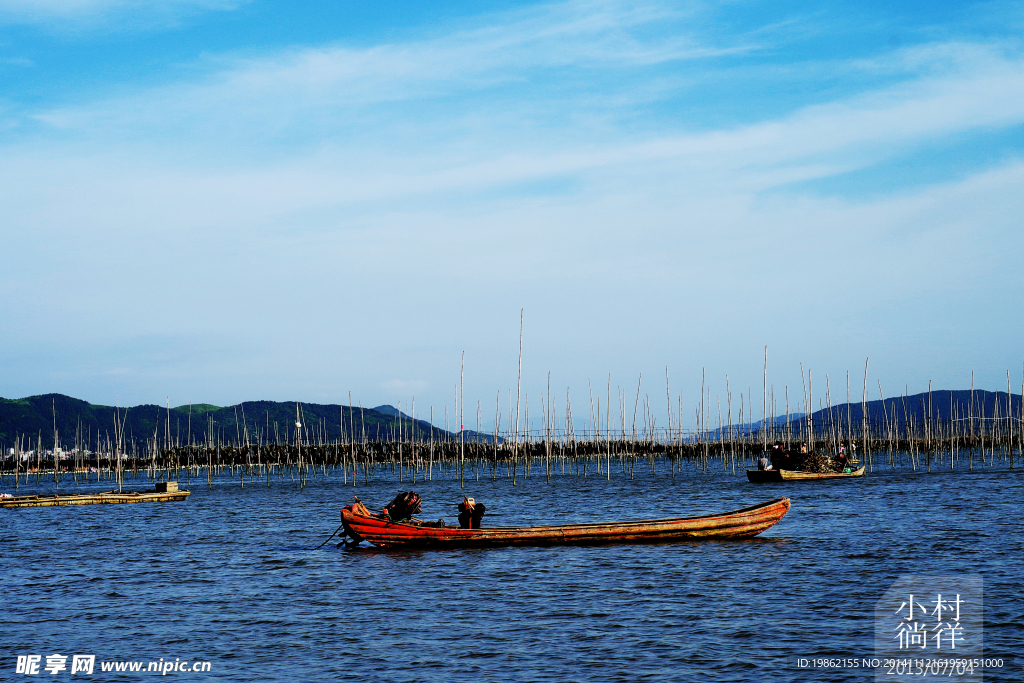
[315, 130]
[77, 15]
[986, 92]
[540, 155]
[290, 88]
[506, 82]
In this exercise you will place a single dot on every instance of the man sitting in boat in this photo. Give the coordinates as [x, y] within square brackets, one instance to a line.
[359, 509]
[470, 513]
[400, 509]
[782, 459]
[403, 506]
[773, 459]
[841, 461]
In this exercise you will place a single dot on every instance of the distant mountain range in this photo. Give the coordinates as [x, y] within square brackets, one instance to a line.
[469, 435]
[35, 417]
[941, 405]
[78, 421]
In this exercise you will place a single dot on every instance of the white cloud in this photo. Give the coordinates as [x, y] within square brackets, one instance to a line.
[430, 115]
[342, 184]
[79, 14]
[65, 8]
[377, 199]
[332, 84]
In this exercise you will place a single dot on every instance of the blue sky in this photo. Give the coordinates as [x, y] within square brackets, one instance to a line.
[217, 200]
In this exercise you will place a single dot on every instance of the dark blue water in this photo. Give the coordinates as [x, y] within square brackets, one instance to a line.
[229, 576]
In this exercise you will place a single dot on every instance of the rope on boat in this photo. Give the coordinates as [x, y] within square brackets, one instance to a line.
[330, 537]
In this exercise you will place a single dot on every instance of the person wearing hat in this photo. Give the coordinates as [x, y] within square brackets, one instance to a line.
[470, 513]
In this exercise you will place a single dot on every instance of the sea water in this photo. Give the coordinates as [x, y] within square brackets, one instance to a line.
[230, 579]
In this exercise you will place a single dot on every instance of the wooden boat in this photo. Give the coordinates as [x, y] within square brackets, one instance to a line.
[382, 532]
[762, 476]
[163, 493]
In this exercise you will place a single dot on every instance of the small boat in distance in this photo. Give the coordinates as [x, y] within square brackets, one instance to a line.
[382, 532]
[763, 476]
[163, 493]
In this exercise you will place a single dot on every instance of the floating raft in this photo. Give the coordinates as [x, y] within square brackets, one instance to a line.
[762, 476]
[743, 523]
[163, 493]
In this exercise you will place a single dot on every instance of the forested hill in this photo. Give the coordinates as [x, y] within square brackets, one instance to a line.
[79, 421]
[941, 406]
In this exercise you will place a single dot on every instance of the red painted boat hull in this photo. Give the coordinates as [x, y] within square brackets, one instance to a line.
[743, 523]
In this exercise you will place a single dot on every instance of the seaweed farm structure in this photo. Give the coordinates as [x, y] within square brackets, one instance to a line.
[163, 492]
[940, 430]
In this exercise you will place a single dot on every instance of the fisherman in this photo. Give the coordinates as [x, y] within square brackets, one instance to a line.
[763, 463]
[781, 458]
[789, 462]
[403, 506]
[840, 461]
[359, 509]
[470, 513]
[799, 461]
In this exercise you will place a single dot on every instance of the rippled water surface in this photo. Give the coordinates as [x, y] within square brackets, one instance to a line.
[230, 576]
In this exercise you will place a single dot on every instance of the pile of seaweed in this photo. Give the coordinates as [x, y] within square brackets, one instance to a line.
[817, 462]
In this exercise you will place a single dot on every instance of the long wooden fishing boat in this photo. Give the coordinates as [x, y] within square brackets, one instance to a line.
[381, 531]
[163, 493]
[762, 476]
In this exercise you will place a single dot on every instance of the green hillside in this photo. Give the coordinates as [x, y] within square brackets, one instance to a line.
[35, 418]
